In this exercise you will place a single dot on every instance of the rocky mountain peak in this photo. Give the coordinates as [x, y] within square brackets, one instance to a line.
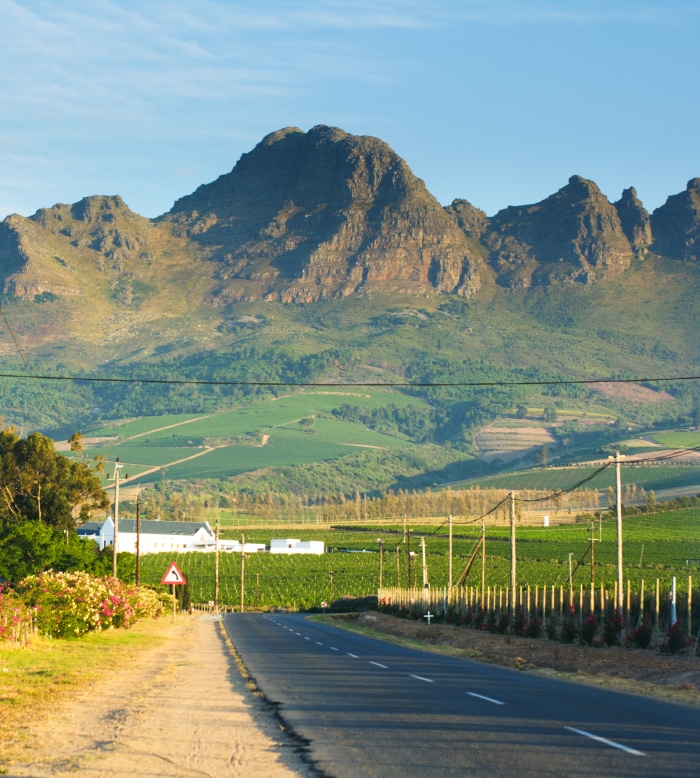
[324, 213]
[676, 224]
[573, 235]
[635, 220]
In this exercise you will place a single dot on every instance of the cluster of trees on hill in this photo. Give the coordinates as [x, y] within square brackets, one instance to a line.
[43, 497]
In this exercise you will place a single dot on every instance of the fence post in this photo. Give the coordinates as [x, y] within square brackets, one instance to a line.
[657, 610]
[690, 605]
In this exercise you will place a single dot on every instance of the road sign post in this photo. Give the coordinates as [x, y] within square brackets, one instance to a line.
[174, 577]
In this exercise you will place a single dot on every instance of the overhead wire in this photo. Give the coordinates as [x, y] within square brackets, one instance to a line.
[336, 384]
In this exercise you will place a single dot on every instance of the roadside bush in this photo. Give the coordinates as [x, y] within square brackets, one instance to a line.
[569, 628]
[641, 636]
[676, 640]
[71, 604]
[15, 618]
[612, 628]
[589, 629]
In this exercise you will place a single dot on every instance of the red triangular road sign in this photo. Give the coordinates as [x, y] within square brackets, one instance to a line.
[173, 576]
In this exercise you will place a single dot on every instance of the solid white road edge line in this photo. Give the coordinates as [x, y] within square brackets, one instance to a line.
[488, 699]
[607, 742]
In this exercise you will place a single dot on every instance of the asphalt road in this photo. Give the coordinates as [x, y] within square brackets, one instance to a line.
[370, 708]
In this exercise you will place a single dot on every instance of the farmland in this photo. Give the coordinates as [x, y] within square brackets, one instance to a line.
[295, 429]
[645, 476]
[660, 545]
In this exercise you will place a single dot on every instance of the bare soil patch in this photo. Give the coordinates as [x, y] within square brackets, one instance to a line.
[632, 392]
[647, 672]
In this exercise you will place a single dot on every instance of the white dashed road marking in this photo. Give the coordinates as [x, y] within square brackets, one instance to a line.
[607, 742]
[488, 699]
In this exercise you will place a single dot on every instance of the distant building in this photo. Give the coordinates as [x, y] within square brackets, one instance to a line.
[294, 546]
[156, 536]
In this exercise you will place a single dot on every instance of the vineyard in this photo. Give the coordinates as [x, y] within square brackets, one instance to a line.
[647, 477]
[660, 545]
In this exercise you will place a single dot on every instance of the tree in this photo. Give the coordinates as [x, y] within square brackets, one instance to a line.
[38, 484]
[542, 454]
[76, 442]
[651, 501]
[31, 547]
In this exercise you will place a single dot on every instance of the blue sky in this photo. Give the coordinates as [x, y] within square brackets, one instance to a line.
[496, 101]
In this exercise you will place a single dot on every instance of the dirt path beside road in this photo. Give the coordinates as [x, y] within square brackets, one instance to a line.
[181, 710]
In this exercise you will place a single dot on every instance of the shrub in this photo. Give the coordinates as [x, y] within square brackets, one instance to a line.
[71, 604]
[15, 618]
[520, 623]
[641, 636]
[612, 629]
[552, 627]
[534, 628]
[676, 640]
[569, 628]
[589, 629]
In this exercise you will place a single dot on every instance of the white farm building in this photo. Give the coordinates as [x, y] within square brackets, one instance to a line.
[156, 536]
[160, 536]
[294, 546]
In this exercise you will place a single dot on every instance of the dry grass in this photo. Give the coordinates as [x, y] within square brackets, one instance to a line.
[35, 678]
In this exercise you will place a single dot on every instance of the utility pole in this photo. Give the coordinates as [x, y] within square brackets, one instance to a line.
[425, 567]
[618, 509]
[330, 599]
[449, 565]
[410, 566]
[570, 582]
[138, 538]
[483, 560]
[398, 566]
[242, 573]
[381, 562]
[117, 468]
[592, 554]
[216, 566]
[512, 555]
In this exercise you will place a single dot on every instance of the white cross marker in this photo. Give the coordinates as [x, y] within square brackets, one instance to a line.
[429, 616]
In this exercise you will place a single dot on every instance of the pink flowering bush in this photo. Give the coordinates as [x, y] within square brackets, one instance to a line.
[71, 604]
[16, 619]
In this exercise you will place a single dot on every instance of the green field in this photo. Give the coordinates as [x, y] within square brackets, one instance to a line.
[677, 439]
[296, 429]
[659, 545]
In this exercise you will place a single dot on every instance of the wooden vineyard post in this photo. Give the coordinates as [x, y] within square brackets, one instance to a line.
[580, 604]
[657, 609]
[641, 602]
[629, 593]
[561, 603]
[690, 605]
